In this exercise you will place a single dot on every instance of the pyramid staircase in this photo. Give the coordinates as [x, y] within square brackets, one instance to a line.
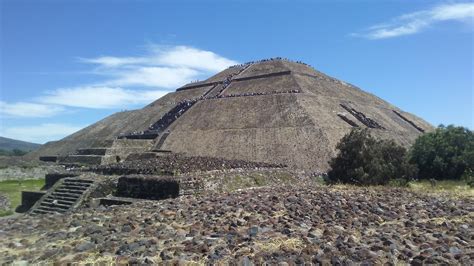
[143, 142]
[65, 196]
[218, 90]
[164, 122]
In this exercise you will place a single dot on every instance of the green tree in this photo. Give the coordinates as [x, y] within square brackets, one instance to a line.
[446, 153]
[18, 152]
[14, 152]
[364, 160]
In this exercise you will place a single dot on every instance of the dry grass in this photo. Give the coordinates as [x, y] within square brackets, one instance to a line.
[455, 189]
[280, 244]
[12, 189]
[468, 218]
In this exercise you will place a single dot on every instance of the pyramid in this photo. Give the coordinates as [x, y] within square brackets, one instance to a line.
[273, 110]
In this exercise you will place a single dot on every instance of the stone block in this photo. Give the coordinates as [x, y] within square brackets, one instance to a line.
[28, 199]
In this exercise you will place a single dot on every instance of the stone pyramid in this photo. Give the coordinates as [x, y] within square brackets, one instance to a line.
[274, 111]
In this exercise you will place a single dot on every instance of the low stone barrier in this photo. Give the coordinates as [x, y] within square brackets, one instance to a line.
[48, 158]
[148, 187]
[28, 199]
[52, 178]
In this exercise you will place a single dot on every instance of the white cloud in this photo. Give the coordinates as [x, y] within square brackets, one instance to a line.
[100, 97]
[416, 22]
[40, 133]
[184, 56]
[111, 62]
[161, 77]
[25, 109]
[178, 57]
[160, 69]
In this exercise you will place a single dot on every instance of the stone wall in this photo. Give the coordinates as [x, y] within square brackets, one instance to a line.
[19, 172]
[148, 187]
[28, 199]
[52, 178]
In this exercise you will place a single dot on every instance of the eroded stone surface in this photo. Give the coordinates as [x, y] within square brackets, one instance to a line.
[176, 163]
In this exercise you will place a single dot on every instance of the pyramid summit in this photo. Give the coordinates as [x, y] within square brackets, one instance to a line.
[272, 111]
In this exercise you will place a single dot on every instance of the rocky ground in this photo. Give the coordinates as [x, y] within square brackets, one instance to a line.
[18, 168]
[4, 203]
[292, 224]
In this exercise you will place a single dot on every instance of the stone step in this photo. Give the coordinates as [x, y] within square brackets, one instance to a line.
[126, 150]
[61, 195]
[69, 191]
[65, 194]
[56, 205]
[51, 209]
[60, 200]
[102, 143]
[76, 180]
[81, 159]
[36, 211]
[142, 136]
[92, 151]
[76, 186]
[132, 143]
[64, 197]
[110, 151]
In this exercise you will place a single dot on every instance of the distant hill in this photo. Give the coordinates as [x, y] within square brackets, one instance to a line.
[12, 144]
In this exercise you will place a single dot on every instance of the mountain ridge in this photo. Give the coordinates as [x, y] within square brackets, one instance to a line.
[9, 144]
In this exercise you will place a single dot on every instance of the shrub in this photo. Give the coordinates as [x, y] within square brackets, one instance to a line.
[446, 153]
[364, 160]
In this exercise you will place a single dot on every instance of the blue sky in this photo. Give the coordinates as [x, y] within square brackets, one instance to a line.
[66, 64]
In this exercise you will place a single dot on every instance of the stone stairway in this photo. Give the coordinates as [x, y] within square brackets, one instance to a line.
[63, 197]
[118, 151]
[164, 122]
[162, 140]
[226, 83]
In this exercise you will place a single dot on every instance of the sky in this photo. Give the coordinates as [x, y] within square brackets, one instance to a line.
[65, 64]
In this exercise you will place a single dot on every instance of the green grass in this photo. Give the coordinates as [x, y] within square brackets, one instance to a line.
[449, 187]
[12, 189]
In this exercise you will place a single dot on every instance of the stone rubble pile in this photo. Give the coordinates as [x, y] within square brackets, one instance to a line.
[293, 224]
[176, 163]
[4, 203]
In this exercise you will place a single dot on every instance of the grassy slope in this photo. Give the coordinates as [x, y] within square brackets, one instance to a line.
[12, 189]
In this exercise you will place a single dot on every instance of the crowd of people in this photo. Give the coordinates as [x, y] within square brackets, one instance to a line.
[408, 121]
[253, 94]
[362, 118]
[268, 60]
[347, 120]
[172, 115]
[155, 129]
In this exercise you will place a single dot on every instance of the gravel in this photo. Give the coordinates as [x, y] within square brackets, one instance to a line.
[4, 202]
